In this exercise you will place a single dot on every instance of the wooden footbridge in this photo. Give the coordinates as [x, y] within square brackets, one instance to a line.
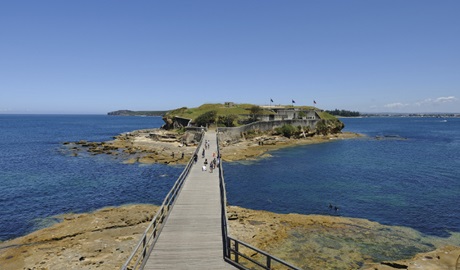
[189, 231]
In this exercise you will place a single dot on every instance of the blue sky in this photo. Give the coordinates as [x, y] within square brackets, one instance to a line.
[99, 56]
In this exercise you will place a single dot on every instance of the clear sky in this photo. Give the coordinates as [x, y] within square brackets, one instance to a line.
[91, 56]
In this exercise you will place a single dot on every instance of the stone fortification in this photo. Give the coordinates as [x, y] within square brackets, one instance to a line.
[236, 133]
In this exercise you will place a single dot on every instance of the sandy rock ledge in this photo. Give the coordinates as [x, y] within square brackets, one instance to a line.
[105, 238]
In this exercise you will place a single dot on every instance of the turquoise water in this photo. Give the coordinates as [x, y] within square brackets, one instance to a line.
[405, 172]
[412, 180]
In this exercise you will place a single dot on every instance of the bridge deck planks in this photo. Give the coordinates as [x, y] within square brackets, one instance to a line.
[192, 236]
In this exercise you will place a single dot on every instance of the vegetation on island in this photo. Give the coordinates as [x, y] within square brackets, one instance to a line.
[234, 115]
[228, 114]
[344, 113]
[231, 114]
[229, 109]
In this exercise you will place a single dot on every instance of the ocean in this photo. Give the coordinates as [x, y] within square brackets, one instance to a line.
[39, 178]
[405, 172]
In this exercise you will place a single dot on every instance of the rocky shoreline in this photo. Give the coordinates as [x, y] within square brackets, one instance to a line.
[105, 238]
[169, 147]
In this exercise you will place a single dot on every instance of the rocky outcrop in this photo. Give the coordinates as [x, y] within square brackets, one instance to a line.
[144, 146]
[332, 242]
[329, 126]
[104, 239]
[259, 145]
[100, 240]
[175, 122]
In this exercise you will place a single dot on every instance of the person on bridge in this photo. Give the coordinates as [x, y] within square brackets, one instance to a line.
[211, 167]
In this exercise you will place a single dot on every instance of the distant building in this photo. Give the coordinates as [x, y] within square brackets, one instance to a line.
[285, 113]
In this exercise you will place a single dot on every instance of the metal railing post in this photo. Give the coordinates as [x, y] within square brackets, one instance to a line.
[144, 246]
[236, 252]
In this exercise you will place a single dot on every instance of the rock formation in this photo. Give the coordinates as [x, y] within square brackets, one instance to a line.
[105, 238]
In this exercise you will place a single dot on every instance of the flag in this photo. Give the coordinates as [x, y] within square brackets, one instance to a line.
[314, 101]
[293, 101]
[271, 100]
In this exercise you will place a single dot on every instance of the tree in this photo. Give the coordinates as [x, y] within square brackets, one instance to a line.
[344, 113]
[206, 118]
[255, 110]
[227, 120]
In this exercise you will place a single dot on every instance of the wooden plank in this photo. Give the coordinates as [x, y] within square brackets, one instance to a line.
[192, 236]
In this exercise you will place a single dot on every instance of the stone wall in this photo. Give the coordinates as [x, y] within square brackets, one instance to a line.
[235, 133]
[193, 136]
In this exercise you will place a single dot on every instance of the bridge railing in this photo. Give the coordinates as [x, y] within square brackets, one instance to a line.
[258, 259]
[235, 251]
[142, 251]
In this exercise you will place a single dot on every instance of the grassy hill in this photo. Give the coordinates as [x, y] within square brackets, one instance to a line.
[224, 110]
[230, 114]
[221, 109]
[223, 113]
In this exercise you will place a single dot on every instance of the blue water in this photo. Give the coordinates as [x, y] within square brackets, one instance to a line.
[411, 178]
[413, 182]
[39, 179]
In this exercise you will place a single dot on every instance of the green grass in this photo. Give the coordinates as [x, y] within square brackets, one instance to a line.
[237, 109]
[326, 116]
[221, 109]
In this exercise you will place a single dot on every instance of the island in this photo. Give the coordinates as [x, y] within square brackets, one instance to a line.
[245, 131]
[105, 238]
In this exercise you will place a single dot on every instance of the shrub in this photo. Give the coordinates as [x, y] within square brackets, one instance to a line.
[206, 118]
[227, 120]
[287, 130]
[321, 127]
[255, 110]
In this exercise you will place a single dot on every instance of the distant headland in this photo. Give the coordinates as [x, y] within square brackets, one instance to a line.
[137, 113]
